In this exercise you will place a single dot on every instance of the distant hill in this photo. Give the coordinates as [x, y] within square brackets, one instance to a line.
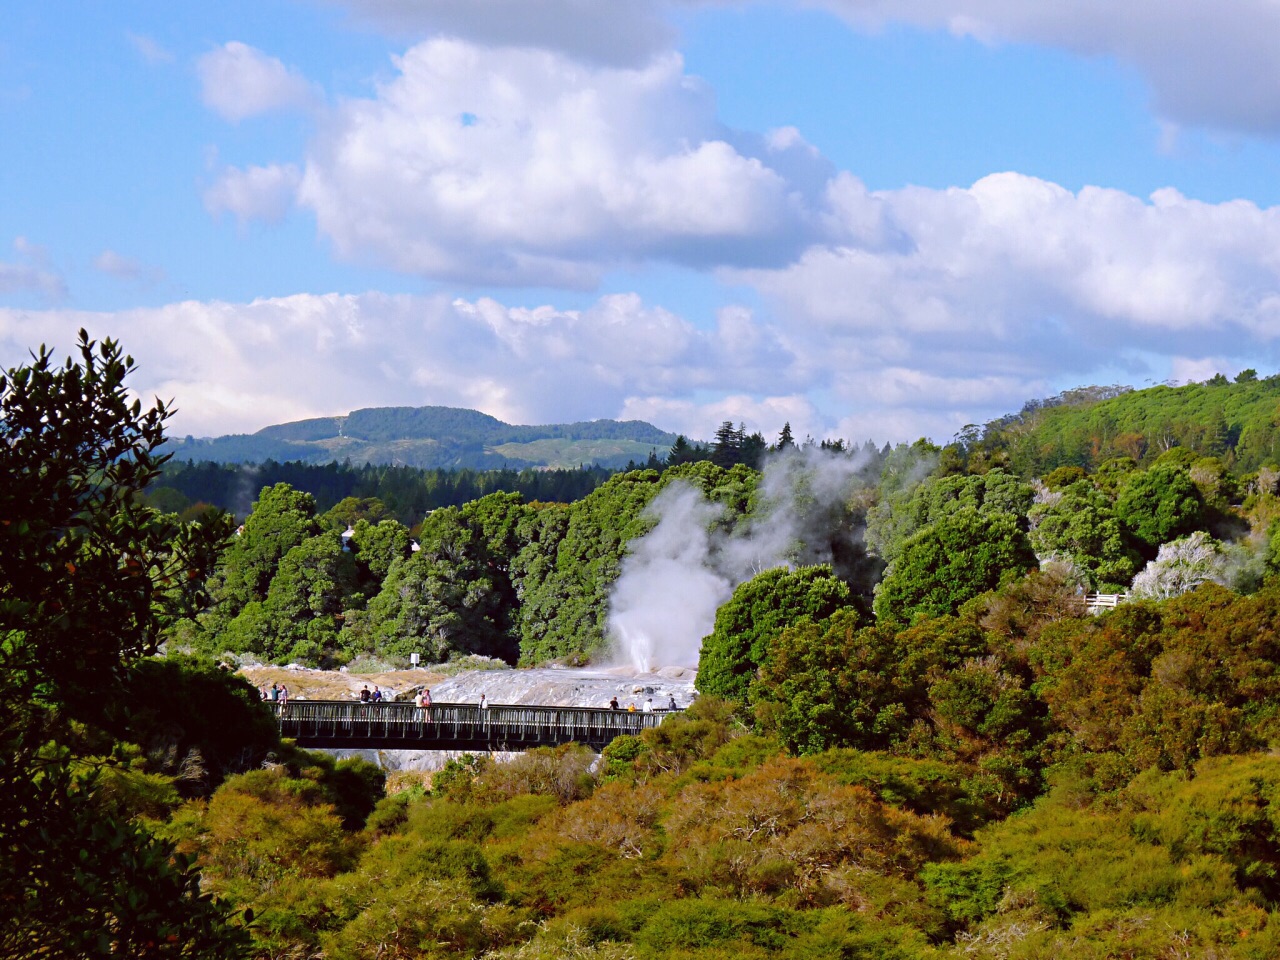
[1237, 422]
[429, 437]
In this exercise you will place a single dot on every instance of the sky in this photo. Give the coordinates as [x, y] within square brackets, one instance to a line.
[871, 219]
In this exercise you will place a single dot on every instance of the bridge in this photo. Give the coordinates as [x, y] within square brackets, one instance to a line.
[454, 726]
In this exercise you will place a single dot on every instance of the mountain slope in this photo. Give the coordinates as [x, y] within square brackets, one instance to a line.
[1237, 422]
[434, 437]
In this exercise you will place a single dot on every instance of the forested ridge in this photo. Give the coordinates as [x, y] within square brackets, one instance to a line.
[1237, 421]
[432, 437]
[913, 740]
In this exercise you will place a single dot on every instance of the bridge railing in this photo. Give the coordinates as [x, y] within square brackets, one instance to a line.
[1097, 602]
[457, 722]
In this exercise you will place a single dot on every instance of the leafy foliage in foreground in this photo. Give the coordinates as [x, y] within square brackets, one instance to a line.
[88, 580]
[698, 840]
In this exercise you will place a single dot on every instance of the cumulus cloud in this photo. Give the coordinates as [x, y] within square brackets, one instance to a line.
[917, 312]
[238, 81]
[254, 193]
[32, 273]
[620, 34]
[1206, 64]
[945, 301]
[763, 413]
[524, 166]
[237, 367]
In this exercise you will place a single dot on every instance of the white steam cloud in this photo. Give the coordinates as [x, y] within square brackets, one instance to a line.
[677, 575]
[669, 589]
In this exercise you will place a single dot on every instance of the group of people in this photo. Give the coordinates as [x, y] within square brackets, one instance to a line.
[648, 705]
[423, 702]
[276, 693]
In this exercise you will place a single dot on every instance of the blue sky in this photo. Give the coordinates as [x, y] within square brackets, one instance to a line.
[867, 218]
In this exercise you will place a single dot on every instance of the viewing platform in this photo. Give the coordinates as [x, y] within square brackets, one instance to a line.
[1098, 602]
[343, 724]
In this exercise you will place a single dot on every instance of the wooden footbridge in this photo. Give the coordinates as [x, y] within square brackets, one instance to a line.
[454, 726]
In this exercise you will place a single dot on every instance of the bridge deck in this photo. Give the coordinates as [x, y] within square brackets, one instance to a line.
[454, 726]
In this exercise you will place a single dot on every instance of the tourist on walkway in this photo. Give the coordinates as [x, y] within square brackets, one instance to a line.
[613, 704]
[672, 705]
[423, 703]
[648, 705]
[284, 697]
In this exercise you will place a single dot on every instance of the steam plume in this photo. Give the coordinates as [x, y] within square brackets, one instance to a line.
[678, 575]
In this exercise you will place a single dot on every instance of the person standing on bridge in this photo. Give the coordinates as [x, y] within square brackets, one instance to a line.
[672, 705]
[613, 704]
[284, 697]
[648, 705]
[484, 704]
[424, 705]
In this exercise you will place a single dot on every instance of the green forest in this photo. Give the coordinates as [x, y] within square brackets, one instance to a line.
[913, 739]
[432, 437]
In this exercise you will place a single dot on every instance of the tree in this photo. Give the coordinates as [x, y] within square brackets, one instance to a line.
[962, 555]
[785, 439]
[281, 519]
[759, 610]
[377, 546]
[680, 452]
[830, 683]
[1159, 505]
[315, 582]
[1079, 524]
[1181, 566]
[726, 450]
[752, 449]
[447, 598]
[89, 578]
[992, 493]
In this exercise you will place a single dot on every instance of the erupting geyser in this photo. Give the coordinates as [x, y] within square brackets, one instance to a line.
[678, 574]
[666, 598]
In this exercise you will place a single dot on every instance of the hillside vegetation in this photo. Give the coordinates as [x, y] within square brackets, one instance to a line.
[1238, 422]
[913, 741]
[430, 437]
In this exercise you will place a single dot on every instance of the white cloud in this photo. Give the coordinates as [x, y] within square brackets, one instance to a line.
[241, 366]
[254, 193]
[126, 268]
[620, 34]
[699, 419]
[523, 166]
[1207, 64]
[238, 81]
[1024, 277]
[936, 308]
[32, 273]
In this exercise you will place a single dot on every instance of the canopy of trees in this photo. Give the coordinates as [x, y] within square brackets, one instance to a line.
[850, 792]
